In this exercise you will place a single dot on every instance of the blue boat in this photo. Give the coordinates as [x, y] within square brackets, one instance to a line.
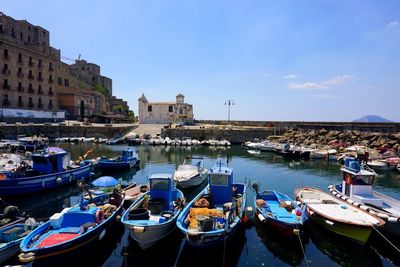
[50, 168]
[10, 238]
[127, 160]
[279, 212]
[215, 214]
[153, 215]
[72, 228]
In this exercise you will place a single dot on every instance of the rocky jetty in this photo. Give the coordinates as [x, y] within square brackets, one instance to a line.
[340, 139]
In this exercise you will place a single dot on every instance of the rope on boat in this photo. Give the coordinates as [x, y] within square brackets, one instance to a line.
[302, 248]
[178, 257]
[384, 237]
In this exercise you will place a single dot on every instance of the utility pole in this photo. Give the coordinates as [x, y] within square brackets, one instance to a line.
[229, 103]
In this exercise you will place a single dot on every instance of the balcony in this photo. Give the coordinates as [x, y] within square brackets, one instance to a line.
[40, 79]
[31, 105]
[20, 105]
[31, 90]
[20, 75]
[20, 61]
[6, 103]
[51, 69]
[51, 81]
[21, 89]
[31, 77]
[6, 56]
[6, 71]
[6, 86]
[31, 64]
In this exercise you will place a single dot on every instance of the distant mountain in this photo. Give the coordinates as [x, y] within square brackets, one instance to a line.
[372, 118]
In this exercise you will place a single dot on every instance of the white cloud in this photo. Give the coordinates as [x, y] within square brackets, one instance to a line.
[393, 24]
[338, 80]
[306, 86]
[325, 96]
[290, 76]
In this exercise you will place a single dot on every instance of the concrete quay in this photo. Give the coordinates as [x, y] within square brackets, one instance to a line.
[66, 129]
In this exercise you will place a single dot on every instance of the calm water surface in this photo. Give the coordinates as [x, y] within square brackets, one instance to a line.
[253, 246]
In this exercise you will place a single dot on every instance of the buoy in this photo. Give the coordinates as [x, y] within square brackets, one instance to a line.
[261, 218]
[58, 180]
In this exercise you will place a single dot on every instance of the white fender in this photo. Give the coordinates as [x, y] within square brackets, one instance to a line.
[383, 216]
[393, 219]
[261, 218]
[102, 234]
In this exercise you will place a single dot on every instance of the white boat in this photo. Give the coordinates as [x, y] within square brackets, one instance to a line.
[153, 215]
[252, 145]
[357, 189]
[337, 215]
[323, 154]
[267, 146]
[189, 175]
[380, 165]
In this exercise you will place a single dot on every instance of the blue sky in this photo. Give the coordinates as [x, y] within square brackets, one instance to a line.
[278, 60]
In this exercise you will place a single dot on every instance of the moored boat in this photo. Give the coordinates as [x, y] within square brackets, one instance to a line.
[279, 212]
[50, 168]
[215, 214]
[72, 228]
[153, 215]
[127, 160]
[357, 189]
[189, 175]
[380, 165]
[338, 216]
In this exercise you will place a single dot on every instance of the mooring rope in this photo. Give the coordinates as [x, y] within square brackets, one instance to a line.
[178, 257]
[384, 237]
[302, 249]
[223, 255]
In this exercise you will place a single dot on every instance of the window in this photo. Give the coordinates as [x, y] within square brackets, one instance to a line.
[1, 27]
[51, 91]
[21, 36]
[59, 81]
[40, 102]
[44, 34]
[6, 82]
[30, 86]
[180, 111]
[19, 86]
[20, 58]
[5, 66]
[30, 73]
[66, 82]
[19, 70]
[5, 53]
[29, 39]
[5, 99]
[30, 100]
[170, 109]
[19, 100]
[12, 32]
[40, 63]
[40, 75]
[150, 109]
[219, 180]
[40, 89]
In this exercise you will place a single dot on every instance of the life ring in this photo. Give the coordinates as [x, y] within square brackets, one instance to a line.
[2, 176]
[99, 216]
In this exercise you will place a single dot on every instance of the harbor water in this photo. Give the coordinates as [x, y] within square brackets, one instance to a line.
[253, 245]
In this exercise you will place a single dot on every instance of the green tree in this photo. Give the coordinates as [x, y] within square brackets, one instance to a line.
[101, 89]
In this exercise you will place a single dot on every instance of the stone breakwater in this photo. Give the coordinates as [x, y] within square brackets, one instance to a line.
[340, 139]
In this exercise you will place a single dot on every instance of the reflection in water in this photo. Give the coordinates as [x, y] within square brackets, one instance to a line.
[227, 255]
[288, 251]
[341, 250]
[255, 247]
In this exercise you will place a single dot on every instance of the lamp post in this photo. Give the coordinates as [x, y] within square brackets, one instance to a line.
[229, 103]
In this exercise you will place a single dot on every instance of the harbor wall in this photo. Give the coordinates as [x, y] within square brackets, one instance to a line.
[317, 125]
[53, 131]
[235, 136]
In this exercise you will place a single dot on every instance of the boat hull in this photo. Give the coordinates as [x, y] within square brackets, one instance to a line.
[108, 166]
[22, 185]
[9, 251]
[151, 234]
[194, 181]
[287, 230]
[356, 233]
[69, 247]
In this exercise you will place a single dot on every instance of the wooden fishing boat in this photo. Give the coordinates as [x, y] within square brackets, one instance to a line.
[357, 189]
[279, 212]
[72, 228]
[153, 215]
[215, 214]
[190, 175]
[338, 216]
[50, 168]
[127, 160]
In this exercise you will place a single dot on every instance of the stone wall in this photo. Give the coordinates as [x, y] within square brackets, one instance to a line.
[337, 126]
[54, 131]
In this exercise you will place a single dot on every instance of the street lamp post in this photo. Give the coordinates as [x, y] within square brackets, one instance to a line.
[229, 103]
